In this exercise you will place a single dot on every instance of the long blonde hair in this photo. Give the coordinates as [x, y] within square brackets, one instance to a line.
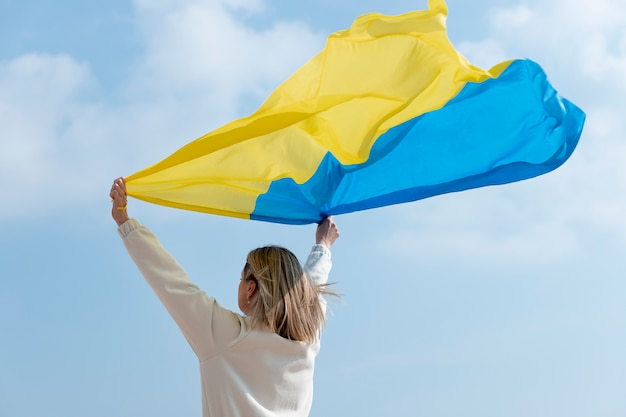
[287, 302]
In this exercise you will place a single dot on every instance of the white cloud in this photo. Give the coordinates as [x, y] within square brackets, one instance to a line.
[576, 39]
[514, 17]
[35, 93]
[42, 103]
[203, 49]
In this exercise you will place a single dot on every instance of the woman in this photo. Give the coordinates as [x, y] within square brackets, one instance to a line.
[258, 364]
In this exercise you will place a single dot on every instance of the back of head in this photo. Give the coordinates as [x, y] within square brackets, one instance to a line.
[287, 302]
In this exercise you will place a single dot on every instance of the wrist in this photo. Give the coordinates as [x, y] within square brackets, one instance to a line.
[120, 220]
[323, 243]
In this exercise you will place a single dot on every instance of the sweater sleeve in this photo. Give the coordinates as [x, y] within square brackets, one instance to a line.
[207, 327]
[318, 264]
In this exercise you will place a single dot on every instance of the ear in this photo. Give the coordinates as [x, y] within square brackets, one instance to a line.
[251, 290]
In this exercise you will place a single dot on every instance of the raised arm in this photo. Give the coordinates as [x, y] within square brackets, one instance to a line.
[207, 326]
[318, 263]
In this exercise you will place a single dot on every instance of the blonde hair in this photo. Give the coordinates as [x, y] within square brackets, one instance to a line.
[287, 302]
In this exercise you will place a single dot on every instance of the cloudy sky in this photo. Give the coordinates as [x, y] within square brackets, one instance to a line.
[503, 301]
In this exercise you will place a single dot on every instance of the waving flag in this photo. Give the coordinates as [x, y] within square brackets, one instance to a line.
[389, 112]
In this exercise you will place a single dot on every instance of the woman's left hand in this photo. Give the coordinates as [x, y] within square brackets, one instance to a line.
[327, 232]
[119, 201]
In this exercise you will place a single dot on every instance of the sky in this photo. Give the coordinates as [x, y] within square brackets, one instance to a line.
[501, 301]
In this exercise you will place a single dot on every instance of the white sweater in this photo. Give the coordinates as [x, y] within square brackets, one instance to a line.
[245, 372]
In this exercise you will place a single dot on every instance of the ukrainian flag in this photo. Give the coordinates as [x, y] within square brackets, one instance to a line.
[389, 112]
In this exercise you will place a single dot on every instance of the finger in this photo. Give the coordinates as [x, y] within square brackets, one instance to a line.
[116, 183]
[118, 197]
[121, 186]
[118, 189]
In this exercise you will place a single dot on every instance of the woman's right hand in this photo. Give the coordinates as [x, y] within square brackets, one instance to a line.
[119, 201]
[327, 232]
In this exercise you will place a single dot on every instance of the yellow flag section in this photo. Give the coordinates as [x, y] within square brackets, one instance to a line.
[363, 83]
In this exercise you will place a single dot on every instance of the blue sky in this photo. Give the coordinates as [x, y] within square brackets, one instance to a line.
[506, 300]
